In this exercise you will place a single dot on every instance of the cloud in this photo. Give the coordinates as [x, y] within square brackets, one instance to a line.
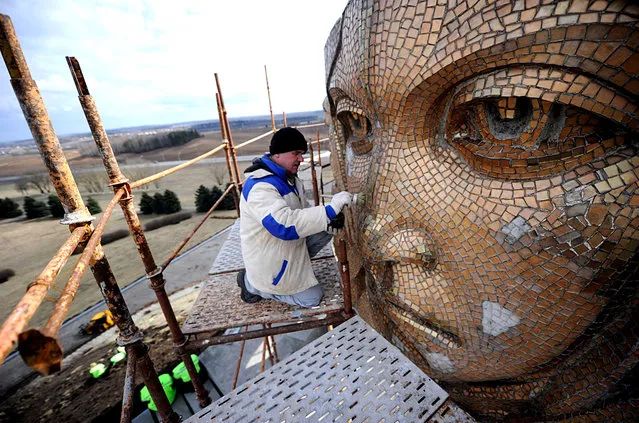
[153, 61]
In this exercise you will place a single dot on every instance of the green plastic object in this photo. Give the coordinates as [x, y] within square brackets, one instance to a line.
[117, 358]
[180, 372]
[167, 383]
[98, 370]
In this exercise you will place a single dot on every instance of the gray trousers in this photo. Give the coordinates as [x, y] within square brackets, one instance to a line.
[313, 295]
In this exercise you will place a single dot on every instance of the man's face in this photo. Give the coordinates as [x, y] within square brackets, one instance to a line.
[290, 161]
[501, 223]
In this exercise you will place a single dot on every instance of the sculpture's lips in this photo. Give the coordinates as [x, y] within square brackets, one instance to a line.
[403, 314]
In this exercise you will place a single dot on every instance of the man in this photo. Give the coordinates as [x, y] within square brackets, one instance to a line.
[278, 231]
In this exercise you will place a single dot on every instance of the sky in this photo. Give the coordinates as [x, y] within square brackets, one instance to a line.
[153, 61]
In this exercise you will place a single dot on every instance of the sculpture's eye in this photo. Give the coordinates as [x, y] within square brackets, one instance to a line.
[508, 132]
[356, 128]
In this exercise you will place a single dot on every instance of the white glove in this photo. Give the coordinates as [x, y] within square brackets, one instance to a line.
[340, 200]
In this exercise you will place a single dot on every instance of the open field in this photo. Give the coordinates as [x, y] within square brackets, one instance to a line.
[32, 163]
[27, 246]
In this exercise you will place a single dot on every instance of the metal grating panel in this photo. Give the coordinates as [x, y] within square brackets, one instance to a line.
[219, 305]
[229, 259]
[351, 374]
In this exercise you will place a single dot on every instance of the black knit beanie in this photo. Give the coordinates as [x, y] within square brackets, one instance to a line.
[287, 139]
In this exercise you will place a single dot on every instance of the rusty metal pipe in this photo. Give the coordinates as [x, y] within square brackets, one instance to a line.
[239, 361]
[238, 176]
[157, 284]
[95, 123]
[39, 123]
[346, 277]
[189, 236]
[277, 359]
[319, 161]
[311, 125]
[214, 339]
[129, 388]
[227, 153]
[117, 180]
[252, 140]
[267, 346]
[68, 294]
[40, 349]
[25, 309]
[130, 336]
[270, 106]
[174, 169]
[313, 175]
[152, 382]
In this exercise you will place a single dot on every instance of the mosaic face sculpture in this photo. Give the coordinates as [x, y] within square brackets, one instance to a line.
[495, 144]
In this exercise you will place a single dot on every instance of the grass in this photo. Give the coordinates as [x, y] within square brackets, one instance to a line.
[18, 237]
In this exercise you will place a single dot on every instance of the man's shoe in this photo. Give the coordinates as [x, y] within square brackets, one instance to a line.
[245, 295]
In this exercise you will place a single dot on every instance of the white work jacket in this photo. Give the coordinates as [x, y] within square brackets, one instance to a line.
[274, 221]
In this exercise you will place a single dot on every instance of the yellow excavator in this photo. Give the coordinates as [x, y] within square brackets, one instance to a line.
[99, 323]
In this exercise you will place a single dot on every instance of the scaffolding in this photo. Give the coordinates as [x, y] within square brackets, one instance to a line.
[40, 348]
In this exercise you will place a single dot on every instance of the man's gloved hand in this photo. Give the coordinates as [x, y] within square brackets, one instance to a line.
[336, 224]
[340, 200]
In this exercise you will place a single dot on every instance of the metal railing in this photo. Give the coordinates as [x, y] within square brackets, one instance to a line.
[41, 349]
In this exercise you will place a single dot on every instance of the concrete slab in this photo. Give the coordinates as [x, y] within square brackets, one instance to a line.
[191, 399]
[145, 417]
[181, 407]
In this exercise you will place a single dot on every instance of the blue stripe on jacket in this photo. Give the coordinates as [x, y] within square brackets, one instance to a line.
[330, 212]
[279, 275]
[275, 228]
[282, 187]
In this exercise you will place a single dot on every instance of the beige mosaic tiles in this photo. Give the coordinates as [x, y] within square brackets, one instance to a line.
[495, 145]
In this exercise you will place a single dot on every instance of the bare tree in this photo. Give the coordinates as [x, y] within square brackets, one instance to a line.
[22, 186]
[92, 182]
[39, 181]
[219, 174]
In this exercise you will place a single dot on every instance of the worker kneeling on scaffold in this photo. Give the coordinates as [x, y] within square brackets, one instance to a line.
[279, 231]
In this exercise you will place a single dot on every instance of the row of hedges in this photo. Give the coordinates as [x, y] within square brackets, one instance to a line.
[166, 203]
[151, 225]
[9, 209]
[170, 139]
[34, 208]
[205, 198]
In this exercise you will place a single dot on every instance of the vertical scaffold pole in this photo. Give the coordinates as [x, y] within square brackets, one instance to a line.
[313, 175]
[319, 162]
[117, 180]
[227, 154]
[270, 106]
[76, 214]
[238, 176]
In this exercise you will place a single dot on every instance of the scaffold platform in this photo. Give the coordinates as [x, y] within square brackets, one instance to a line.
[350, 374]
[219, 306]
